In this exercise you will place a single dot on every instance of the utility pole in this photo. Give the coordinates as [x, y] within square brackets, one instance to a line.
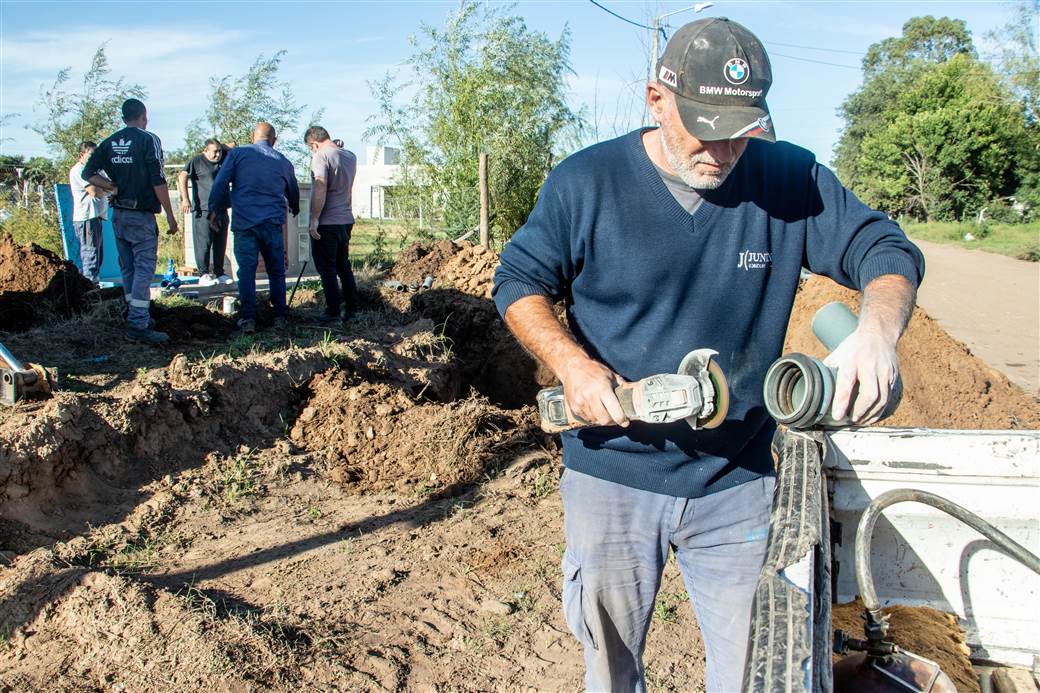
[485, 215]
[655, 51]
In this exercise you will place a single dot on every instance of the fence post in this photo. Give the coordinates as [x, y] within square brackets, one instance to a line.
[484, 212]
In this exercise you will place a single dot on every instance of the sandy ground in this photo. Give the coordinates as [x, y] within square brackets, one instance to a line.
[371, 508]
[989, 302]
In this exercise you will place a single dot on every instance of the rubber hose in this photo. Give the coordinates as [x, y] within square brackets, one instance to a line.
[865, 530]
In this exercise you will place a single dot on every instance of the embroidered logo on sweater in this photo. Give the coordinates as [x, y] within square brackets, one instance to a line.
[750, 259]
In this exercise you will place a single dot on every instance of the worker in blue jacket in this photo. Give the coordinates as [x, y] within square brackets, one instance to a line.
[257, 182]
[689, 235]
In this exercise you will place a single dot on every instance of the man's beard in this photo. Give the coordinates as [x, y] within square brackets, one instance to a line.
[684, 168]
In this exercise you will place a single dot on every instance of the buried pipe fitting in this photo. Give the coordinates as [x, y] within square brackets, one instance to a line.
[799, 389]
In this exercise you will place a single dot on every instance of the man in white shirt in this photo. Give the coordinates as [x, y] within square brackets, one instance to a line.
[89, 209]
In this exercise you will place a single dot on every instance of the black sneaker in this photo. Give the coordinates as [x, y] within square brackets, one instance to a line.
[144, 335]
[247, 325]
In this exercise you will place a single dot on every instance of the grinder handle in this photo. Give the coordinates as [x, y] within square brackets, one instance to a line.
[556, 416]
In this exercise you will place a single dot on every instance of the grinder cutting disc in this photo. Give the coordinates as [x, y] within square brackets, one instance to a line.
[718, 381]
[701, 365]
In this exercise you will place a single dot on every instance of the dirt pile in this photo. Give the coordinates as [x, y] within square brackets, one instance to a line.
[490, 360]
[944, 385]
[376, 438]
[422, 259]
[931, 634]
[470, 270]
[34, 284]
[129, 635]
[80, 445]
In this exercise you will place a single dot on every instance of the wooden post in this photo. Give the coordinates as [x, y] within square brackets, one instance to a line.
[484, 212]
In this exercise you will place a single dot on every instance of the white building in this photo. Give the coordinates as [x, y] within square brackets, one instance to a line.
[376, 172]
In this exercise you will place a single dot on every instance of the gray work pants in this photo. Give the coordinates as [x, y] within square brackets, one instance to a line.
[91, 248]
[137, 240]
[618, 539]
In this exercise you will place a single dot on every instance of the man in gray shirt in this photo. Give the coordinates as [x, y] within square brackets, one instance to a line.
[331, 220]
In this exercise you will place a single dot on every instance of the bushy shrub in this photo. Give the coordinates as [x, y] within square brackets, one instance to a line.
[33, 225]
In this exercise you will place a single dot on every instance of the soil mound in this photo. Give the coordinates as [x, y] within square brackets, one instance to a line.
[471, 270]
[376, 438]
[182, 641]
[422, 259]
[944, 385]
[78, 444]
[34, 284]
[932, 634]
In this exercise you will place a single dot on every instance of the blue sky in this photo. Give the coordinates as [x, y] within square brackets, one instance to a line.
[334, 48]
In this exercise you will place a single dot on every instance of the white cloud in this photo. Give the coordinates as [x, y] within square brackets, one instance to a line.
[174, 66]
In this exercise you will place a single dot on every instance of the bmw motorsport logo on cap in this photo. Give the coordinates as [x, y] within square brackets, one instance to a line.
[736, 71]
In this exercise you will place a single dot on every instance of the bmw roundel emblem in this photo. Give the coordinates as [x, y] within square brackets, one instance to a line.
[736, 71]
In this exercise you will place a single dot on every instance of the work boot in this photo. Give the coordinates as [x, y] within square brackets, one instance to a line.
[279, 322]
[145, 335]
[247, 325]
[126, 313]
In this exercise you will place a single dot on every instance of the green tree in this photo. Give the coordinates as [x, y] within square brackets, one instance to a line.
[1017, 57]
[924, 39]
[932, 132]
[89, 113]
[483, 83]
[237, 104]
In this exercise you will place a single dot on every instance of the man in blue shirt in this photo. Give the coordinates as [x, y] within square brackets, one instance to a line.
[689, 235]
[261, 181]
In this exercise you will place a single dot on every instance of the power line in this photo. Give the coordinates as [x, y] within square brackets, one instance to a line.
[813, 48]
[818, 62]
[624, 19]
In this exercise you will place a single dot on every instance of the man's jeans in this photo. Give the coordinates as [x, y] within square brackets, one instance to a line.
[332, 260]
[209, 243]
[137, 240]
[91, 249]
[261, 240]
[618, 540]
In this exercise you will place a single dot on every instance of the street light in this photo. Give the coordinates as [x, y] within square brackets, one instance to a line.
[657, 31]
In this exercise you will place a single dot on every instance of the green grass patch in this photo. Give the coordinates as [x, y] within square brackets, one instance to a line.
[376, 241]
[1020, 241]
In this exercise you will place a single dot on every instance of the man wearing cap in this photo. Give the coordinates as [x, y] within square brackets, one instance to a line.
[689, 235]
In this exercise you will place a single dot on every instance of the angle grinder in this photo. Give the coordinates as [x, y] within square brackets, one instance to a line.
[697, 393]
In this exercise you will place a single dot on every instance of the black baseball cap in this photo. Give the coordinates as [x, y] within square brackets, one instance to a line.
[720, 75]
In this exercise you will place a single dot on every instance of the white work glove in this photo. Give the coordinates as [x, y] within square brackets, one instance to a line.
[588, 388]
[869, 359]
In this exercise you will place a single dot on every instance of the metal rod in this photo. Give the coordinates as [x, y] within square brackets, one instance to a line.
[292, 293]
[865, 530]
[10, 359]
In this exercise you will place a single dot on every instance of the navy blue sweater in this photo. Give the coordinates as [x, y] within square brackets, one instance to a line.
[644, 282]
